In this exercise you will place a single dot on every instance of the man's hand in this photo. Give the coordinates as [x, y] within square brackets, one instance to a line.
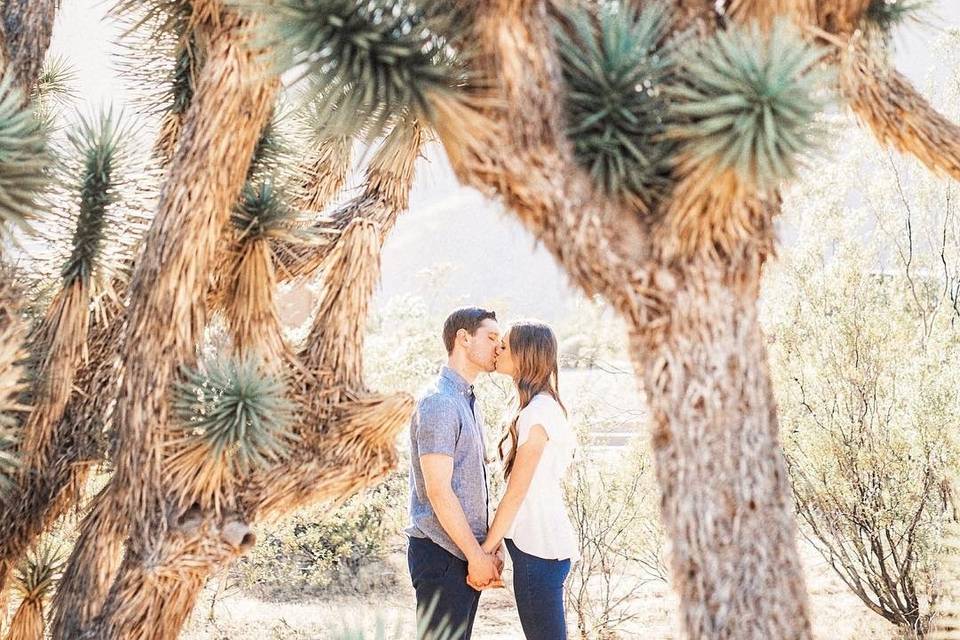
[482, 571]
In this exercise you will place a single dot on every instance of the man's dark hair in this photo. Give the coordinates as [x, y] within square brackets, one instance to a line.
[467, 318]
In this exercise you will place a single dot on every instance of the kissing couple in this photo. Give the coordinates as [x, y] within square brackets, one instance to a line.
[454, 550]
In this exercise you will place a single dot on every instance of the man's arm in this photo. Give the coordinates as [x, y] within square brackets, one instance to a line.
[437, 471]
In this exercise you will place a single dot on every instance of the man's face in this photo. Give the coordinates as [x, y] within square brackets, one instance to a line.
[483, 347]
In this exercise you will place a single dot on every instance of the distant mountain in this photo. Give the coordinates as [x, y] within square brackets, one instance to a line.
[456, 246]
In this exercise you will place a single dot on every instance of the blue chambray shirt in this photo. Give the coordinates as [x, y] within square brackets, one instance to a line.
[447, 421]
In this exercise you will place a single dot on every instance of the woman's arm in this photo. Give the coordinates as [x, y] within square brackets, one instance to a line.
[528, 457]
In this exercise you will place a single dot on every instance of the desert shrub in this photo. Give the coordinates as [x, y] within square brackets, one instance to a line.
[319, 549]
[590, 334]
[865, 360]
[612, 500]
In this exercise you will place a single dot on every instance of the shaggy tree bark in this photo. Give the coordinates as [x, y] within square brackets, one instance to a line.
[725, 491]
[687, 286]
[166, 313]
[28, 28]
[53, 481]
[735, 561]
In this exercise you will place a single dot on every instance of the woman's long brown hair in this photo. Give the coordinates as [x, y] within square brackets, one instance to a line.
[533, 347]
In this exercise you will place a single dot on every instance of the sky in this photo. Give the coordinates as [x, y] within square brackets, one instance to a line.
[453, 246]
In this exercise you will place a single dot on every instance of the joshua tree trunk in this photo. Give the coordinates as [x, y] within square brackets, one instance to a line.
[726, 497]
[28, 28]
[166, 313]
[695, 343]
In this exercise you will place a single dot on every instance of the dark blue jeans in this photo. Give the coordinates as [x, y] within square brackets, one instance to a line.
[444, 599]
[538, 588]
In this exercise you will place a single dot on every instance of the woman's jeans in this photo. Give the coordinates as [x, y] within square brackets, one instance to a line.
[538, 588]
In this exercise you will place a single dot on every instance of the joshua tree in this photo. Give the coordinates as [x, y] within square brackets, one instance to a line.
[34, 581]
[643, 143]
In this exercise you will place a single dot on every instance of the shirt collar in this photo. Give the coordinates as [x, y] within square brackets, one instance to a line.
[456, 380]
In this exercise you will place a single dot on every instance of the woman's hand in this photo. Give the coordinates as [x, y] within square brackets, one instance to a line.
[490, 546]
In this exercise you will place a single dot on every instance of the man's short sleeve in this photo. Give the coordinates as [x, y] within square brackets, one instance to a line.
[437, 426]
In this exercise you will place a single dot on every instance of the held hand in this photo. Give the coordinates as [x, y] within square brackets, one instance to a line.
[498, 554]
[496, 550]
[482, 571]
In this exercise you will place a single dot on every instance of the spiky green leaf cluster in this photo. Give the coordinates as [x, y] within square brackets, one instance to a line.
[99, 147]
[182, 77]
[57, 82]
[263, 212]
[274, 150]
[234, 410]
[24, 159]
[36, 575]
[616, 66]
[887, 14]
[155, 17]
[159, 42]
[748, 103]
[9, 461]
[371, 61]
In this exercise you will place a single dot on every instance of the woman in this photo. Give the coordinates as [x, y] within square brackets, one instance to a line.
[536, 451]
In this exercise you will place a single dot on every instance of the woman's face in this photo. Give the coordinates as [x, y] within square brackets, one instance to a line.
[505, 358]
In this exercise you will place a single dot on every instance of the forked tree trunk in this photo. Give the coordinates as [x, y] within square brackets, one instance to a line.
[695, 343]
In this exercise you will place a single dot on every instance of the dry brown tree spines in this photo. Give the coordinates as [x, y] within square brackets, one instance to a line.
[204, 180]
[324, 173]
[90, 569]
[166, 313]
[887, 103]
[335, 340]
[153, 595]
[356, 449]
[80, 440]
[766, 13]
[352, 269]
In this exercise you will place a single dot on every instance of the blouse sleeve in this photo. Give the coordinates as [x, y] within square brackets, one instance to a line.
[537, 412]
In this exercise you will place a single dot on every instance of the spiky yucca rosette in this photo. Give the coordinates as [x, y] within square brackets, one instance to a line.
[34, 581]
[55, 88]
[887, 14]
[324, 169]
[23, 160]
[743, 114]
[160, 41]
[232, 418]
[373, 60]
[86, 223]
[616, 66]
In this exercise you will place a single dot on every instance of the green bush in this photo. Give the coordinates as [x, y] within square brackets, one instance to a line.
[319, 549]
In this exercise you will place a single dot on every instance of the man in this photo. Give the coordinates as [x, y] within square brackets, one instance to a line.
[449, 500]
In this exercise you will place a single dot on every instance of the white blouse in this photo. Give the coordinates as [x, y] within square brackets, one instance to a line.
[542, 527]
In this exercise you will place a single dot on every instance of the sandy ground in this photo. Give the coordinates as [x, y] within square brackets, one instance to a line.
[234, 615]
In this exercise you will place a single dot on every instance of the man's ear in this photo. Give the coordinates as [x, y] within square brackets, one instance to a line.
[462, 334]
